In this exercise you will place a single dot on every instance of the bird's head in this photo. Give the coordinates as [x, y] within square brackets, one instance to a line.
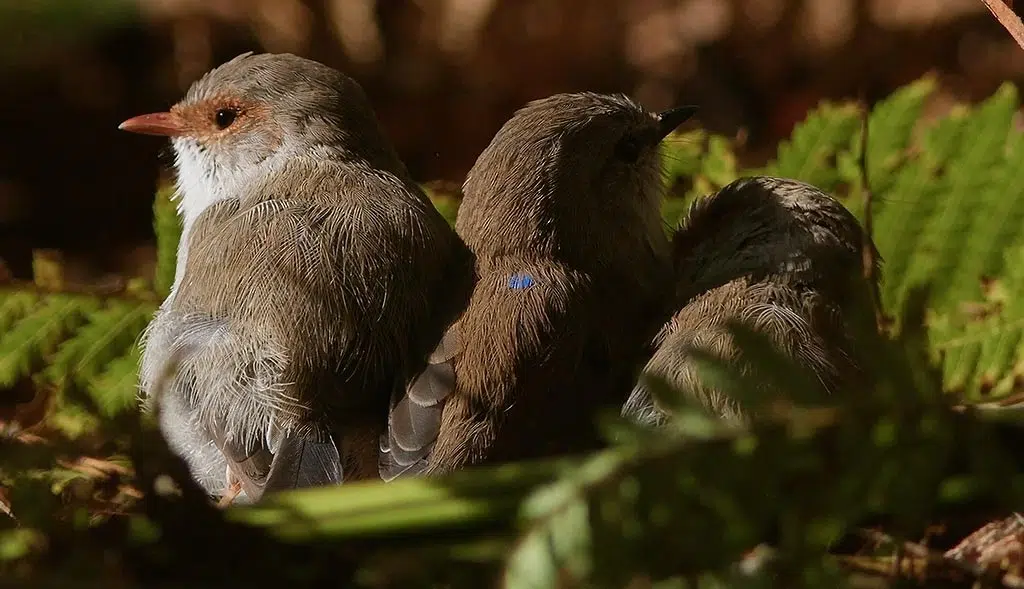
[763, 226]
[255, 112]
[571, 175]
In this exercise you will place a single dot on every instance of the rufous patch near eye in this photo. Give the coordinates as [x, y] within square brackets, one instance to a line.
[222, 116]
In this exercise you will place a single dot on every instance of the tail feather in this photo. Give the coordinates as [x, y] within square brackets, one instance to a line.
[397, 463]
[298, 460]
[414, 422]
[302, 461]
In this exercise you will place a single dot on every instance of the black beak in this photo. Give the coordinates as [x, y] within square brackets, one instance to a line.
[669, 119]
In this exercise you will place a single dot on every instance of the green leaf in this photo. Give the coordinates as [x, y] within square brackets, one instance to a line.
[167, 226]
[445, 201]
[719, 164]
[558, 539]
[412, 504]
[19, 542]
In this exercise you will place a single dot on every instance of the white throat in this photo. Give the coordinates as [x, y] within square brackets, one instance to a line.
[203, 181]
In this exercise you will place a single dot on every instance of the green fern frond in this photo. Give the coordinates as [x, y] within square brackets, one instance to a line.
[719, 163]
[167, 226]
[959, 343]
[446, 203]
[99, 360]
[891, 126]
[116, 388]
[38, 334]
[946, 206]
[1006, 213]
[681, 155]
[708, 161]
[983, 344]
[890, 129]
[961, 237]
[912, 223]
[810, 154]
[1003, 362]
[559, 541]
[899, 228]
[108, 333]
[14, 305]
[717, 168]
[996, 214]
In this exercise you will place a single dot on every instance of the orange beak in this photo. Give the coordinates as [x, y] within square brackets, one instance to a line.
[165, 124]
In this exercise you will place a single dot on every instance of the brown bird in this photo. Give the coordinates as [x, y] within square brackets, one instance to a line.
[779, 256]
[314, 277]
[562, 211]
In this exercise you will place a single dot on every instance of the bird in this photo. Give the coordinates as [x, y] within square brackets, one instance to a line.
[573, 277]
[313, 279]
[784, 259]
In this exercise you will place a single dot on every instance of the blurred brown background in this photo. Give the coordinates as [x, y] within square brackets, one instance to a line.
[443, 75]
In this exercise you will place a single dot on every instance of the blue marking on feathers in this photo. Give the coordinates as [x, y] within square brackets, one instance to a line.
[520, 281]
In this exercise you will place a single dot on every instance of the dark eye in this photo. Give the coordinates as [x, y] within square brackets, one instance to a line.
[224, 117]
[628, 148]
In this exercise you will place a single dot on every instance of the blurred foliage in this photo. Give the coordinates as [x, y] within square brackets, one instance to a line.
[27, 22]
[681, 506]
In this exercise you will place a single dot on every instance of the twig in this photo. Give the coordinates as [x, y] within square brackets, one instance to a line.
[1006, 17]
[5, 504]
[869, 264]
[897, 560]
[882, 566]
[979, 572]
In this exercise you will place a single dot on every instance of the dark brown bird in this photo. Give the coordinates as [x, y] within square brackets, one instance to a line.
[562, 211]
[779, 256]
[314, 278]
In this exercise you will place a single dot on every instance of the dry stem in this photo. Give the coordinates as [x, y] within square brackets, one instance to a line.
[1006, 17]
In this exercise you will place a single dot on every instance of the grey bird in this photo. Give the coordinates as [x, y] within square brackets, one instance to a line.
[562, 211]
[784, 259]
[314, 278]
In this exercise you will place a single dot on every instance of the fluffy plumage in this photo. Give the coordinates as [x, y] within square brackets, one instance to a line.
[314, 278]
[783, 258]
[562, 211]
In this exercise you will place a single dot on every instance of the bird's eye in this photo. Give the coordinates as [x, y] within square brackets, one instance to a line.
[628, 148]
[224, 117]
